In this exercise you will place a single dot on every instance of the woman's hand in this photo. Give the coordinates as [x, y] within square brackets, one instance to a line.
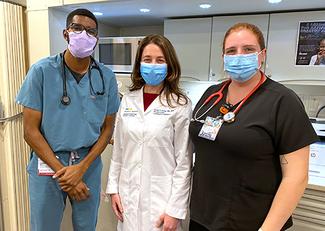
[169, 223]
[117, 206]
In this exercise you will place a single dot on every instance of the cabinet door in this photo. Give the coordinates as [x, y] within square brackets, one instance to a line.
[192, 40]
[220, 25]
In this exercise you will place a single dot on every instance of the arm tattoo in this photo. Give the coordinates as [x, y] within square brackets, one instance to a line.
[283, 160]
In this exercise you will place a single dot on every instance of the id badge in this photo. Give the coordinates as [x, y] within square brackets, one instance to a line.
[210, 128]
[44, 169]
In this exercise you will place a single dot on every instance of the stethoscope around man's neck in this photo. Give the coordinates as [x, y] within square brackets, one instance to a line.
[229, 117]
[65, 99]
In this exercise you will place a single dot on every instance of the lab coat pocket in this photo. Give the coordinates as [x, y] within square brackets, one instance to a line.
[160, 190]
[96, 109]
[124, 189]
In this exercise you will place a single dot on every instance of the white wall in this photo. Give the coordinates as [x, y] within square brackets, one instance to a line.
[282, 43]
[280, 32]
[56, 26]
[57, 22]
[142, 30]
[220, 25]
[105, 30]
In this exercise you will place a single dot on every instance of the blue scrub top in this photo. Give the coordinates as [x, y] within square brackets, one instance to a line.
[77, 125]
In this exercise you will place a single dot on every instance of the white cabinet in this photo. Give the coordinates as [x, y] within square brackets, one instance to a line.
[192, 41]
[198, 42]
[220, 25]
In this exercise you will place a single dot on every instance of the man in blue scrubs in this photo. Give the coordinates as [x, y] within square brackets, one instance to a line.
[70, 101]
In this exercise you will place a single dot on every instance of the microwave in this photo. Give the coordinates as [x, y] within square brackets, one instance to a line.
[117, 53]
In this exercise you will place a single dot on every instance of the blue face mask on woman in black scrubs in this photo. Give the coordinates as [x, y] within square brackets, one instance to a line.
[241, 68]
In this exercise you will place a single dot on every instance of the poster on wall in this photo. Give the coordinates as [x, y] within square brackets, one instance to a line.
[311, 43]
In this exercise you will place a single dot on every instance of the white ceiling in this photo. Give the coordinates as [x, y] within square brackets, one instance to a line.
[123, 13]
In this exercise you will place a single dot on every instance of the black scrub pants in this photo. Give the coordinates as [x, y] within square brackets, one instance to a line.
[194, 226]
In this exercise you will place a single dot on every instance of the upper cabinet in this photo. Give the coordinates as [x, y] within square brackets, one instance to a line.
[282, 47]
[198, 42]
[220, 26]
[192, 41]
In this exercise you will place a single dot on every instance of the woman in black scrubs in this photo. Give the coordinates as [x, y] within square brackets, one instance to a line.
[251, 137]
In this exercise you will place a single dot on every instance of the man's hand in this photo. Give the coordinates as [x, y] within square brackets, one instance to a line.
[80, 192]
[169, 223]
[69, 176]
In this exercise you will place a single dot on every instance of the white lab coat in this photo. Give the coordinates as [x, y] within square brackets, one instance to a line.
[151, 162]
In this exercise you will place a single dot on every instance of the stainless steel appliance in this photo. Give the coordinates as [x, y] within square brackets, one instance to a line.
[117, 53]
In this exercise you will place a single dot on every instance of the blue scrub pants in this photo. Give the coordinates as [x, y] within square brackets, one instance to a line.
[47, 200]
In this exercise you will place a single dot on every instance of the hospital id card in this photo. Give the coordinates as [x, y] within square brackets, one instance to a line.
[44, 169]
[210, 128]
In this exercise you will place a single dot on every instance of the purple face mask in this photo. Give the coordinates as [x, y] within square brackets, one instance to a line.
[81, 45]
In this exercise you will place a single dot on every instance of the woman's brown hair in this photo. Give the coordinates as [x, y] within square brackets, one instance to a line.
[239, 26]
[171, 82]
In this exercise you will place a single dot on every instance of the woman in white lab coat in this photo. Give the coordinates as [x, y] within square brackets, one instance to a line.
[149, 176]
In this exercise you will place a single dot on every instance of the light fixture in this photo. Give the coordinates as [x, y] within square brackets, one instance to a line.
[205, 5]
[97, 13]
[145, 10]
[275, 1]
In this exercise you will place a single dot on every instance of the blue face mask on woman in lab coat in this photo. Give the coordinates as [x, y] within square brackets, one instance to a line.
[241, 68]
[153, 74]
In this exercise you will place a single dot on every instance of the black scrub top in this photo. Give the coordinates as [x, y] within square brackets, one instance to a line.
[237, 175]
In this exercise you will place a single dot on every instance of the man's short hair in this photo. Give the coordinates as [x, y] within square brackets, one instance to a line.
[83, 12]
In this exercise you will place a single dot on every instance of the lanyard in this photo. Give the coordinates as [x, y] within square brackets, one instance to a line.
[230, 116]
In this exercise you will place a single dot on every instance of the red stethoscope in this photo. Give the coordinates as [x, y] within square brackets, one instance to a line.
[229, 117]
